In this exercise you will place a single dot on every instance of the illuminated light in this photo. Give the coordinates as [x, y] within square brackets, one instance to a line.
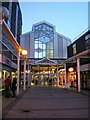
[24, 52]
[20, 50]
[70, 69]
[53, 69]
[62, 70]
[0, 57]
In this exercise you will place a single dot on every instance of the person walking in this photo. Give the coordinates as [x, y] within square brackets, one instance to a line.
[14, 87]
[7, 87]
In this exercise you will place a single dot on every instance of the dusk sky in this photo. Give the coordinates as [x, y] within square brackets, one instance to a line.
[70, 18]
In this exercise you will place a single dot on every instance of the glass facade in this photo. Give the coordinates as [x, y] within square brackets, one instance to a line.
[44, 41]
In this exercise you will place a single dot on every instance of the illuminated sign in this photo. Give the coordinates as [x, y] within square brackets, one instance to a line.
[70, 69]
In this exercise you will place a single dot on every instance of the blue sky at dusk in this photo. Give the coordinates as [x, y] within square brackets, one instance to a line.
[70, 18]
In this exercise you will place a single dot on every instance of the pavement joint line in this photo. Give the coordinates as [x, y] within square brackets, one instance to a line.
[55, 98]
[52, 109]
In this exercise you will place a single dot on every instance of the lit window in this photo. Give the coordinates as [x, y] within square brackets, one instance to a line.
[44, 43]
[74, 49]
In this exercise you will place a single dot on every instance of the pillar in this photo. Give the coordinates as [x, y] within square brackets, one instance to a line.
[65, 76]
[28, 75]
[39, 75]
[57, 77]
[18, 74]
[78, 73]
[24, 74]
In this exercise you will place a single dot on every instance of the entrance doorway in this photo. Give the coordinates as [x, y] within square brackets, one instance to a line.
[43, 80]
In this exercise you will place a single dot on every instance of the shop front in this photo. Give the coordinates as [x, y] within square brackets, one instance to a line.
[71, 77]
[85, 76]
[8, 68]
[43, 75]
[44, 72]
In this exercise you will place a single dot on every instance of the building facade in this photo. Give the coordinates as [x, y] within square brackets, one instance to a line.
[11, 29]
[46, 49]
[14, 20]
[80, 46]
[44, 41]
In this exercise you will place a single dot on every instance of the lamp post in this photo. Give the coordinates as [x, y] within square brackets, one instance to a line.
[24, 53]
[21, 53]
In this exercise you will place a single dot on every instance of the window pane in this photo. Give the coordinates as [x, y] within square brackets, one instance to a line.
[36, 54]
[44, 53]
[40, 55]
[51, 45]
[36, 42]
[40, 42]
[44, 46]
[36, 46]
[40, 46]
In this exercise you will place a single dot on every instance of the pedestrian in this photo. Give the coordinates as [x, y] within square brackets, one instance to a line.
[7, 87]
[14, 87]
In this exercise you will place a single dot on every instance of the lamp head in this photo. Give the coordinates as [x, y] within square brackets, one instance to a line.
[4, 13]
[24, 52]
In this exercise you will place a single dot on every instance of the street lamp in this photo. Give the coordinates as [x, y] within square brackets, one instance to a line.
[4, 13]
[21, 53]
[24, 52]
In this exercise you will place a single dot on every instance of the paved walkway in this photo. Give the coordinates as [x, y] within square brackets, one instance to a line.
[7, 101]
[48, 103]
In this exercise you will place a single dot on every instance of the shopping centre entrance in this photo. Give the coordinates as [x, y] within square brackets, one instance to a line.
[46, 72]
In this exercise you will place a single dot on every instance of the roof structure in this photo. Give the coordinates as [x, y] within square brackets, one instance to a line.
[46, 61]
[43, 22]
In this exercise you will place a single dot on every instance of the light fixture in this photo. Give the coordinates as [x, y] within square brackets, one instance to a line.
[70, 69]
[24, 52]
[4, 12]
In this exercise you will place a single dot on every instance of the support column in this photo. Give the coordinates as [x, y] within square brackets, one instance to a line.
[65, 76]
[48, 76]
[78, 73]
[57, 77]
[24, 74]
[28, 75]
[39, 75]
[18, 74]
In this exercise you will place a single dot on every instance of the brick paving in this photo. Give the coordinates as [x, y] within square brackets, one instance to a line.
[48, 103]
